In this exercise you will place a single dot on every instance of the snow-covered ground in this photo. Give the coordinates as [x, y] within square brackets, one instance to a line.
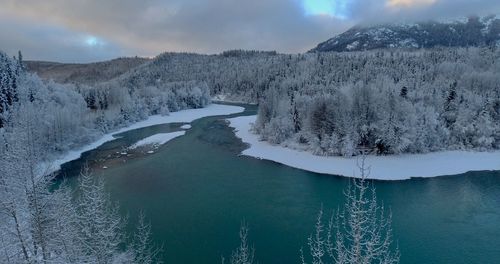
[186, 126]
[400, 167]
[226, 98]
[157, 139]
[184, 116]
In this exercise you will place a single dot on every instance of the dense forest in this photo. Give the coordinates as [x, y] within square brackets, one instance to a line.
[388, 102]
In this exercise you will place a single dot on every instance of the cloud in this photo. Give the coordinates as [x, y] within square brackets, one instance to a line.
[206, 26]
[409, 3]
[59, 29]
[54, 43]
[381, 11]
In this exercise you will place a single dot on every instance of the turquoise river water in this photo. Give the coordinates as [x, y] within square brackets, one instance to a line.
[196, 190]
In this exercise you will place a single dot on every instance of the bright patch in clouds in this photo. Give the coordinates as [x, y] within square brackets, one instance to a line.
[335, 8]
[409, 3]
[93, 41]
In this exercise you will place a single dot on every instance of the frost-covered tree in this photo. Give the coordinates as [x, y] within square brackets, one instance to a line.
[10, 71]
[359, 233]
[244, 254]
[38, 221]
[143, 247]
[101, 227]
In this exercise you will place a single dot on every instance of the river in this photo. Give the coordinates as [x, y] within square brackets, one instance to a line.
[197, 189]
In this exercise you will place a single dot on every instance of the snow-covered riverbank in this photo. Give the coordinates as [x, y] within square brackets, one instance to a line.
[399, 167]
[225, 98]
[184, 116]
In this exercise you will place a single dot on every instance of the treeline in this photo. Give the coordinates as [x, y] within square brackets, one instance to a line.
[390, 103]
[241, 75]
[338, 103]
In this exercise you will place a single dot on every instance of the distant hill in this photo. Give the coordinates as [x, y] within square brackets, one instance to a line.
[464, 32]
[89, 73]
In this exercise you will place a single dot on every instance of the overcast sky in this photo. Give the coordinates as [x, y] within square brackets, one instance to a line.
[94, 30]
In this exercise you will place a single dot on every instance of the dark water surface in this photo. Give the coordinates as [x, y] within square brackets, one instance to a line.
[196, 190]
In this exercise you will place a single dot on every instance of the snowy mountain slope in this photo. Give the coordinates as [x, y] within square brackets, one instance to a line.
[464, 32]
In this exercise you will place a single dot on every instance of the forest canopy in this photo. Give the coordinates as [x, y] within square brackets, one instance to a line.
[388, 102]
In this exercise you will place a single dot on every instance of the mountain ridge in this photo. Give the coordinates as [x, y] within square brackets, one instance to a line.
[461, 32]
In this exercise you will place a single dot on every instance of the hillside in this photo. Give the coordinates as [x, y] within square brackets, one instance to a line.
[89, 73]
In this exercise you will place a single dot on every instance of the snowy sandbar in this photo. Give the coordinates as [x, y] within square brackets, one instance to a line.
[157, 139]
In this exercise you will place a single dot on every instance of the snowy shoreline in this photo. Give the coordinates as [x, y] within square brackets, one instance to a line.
[183, 116]
[401, 167]
[223, 98]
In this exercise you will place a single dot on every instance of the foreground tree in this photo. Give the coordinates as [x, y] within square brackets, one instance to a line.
[244, 254]
[42, 223]
[144, 252]
[101, 227]
[36, 223]
[360, 233]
